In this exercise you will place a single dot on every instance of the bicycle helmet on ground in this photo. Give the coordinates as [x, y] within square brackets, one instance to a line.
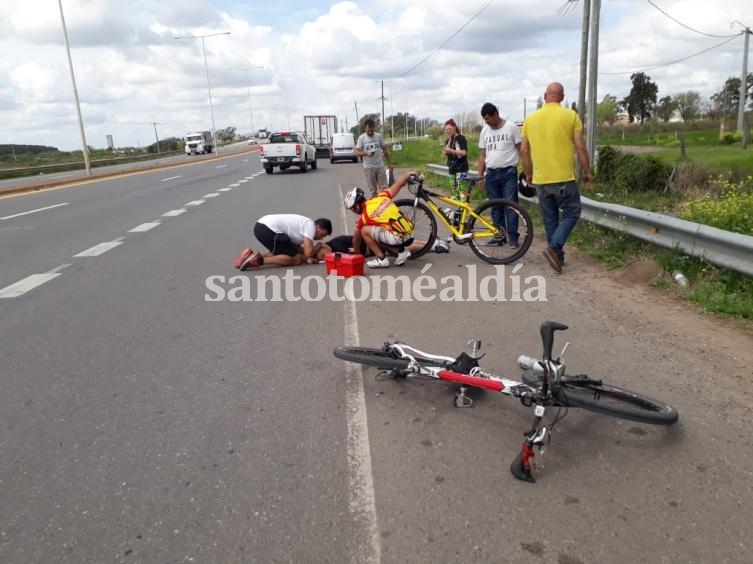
[353, 197]
[524, 188]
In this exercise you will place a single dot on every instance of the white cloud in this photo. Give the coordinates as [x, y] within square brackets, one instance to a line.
[324, 57]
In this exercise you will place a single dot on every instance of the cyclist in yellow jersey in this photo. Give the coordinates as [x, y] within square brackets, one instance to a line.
[550, 137]
[380, 224]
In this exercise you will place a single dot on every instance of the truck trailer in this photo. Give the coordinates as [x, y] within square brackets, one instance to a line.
[319, 130]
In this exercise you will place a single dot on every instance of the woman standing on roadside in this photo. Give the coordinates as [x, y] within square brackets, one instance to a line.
[456, 151]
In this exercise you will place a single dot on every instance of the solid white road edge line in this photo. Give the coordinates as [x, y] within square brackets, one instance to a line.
[33, 211]
[361, 495]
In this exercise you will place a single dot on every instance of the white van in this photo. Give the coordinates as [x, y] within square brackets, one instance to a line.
[342, 147]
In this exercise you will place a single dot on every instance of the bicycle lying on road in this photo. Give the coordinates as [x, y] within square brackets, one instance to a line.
[546, 385]
[498, 231]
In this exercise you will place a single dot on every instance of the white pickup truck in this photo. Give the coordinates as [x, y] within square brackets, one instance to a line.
[284, 149]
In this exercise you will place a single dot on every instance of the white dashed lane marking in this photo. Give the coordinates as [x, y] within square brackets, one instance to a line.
[224, 189]
[32, 211]
[144, 227]
[170, 178]
[174, 213]
[99, 249]
[195, 203]
[212, 195]
[30, 282]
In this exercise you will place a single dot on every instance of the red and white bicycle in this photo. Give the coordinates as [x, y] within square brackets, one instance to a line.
[544, 386]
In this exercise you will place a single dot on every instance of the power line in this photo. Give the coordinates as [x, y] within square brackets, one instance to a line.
[678, 60]
[466, 24]
[687, 26]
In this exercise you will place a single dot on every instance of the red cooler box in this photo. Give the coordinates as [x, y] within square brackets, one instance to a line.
[343, 264]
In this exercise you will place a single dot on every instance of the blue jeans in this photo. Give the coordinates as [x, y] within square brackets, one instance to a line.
[503, 183]
[553, 198]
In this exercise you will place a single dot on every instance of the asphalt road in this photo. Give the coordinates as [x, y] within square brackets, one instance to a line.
[141, 423]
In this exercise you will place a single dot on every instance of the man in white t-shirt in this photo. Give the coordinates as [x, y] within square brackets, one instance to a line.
[498, 168]
[290, 239]
[373, 152]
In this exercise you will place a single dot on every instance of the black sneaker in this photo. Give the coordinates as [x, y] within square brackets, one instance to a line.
[496, 241]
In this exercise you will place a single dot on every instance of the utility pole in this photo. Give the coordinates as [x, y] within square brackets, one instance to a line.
[593, 67]
[381, 119]
[358, 121]
[583, 60]
[743, 81]
[154, 123]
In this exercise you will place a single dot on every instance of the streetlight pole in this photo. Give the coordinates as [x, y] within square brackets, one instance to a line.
[248, 89]
[85, 147]
[209, 85]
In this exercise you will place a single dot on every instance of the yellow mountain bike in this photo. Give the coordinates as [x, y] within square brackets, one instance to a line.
[498, 231]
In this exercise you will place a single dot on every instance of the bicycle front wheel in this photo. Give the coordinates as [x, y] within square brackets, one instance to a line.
[502, 231]
[382, 359]
[424, 226]
[616, 402]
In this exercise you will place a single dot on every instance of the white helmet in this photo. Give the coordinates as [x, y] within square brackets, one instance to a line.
[353, 197]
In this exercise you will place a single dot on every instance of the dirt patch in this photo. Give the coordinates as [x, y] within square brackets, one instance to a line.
[642, 272]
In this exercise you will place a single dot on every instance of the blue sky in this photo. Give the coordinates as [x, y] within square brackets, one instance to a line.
[325, 57]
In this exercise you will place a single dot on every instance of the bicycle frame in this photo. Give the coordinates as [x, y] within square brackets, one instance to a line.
[466, 213]
[539, 435]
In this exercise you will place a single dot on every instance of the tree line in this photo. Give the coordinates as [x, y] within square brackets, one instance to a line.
[643, 103]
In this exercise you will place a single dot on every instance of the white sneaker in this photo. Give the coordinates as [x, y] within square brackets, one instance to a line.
[402, 256]
[383, 262]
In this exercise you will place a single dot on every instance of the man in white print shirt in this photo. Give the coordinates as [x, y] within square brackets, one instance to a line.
[290, 239]
[498, 168]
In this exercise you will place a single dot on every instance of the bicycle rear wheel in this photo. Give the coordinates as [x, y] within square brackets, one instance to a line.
[492, 240]
[424, 226]
[616, 402]
[380, 358]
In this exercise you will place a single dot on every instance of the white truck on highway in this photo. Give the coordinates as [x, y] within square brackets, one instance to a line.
[284, 149]
[320, 129]
[199, 142]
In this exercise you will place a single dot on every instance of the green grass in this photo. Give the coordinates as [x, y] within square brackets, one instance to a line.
[730, 159]
[715, 290]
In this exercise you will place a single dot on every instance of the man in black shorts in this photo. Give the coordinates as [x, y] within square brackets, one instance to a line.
[290, 239]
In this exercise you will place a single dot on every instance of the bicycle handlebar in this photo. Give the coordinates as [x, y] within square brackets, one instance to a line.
[547, 330]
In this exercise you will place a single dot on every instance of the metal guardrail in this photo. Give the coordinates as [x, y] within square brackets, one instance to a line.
[722, 248]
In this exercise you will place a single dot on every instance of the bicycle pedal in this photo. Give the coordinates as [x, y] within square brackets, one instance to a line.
[462, 400]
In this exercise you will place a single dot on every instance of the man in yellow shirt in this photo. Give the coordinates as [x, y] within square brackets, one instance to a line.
[550, 137]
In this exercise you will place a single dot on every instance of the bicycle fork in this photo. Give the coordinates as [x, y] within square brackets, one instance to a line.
[528, 460]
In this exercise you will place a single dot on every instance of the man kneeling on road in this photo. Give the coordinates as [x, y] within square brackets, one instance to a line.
[290, 239]
[381, 225]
